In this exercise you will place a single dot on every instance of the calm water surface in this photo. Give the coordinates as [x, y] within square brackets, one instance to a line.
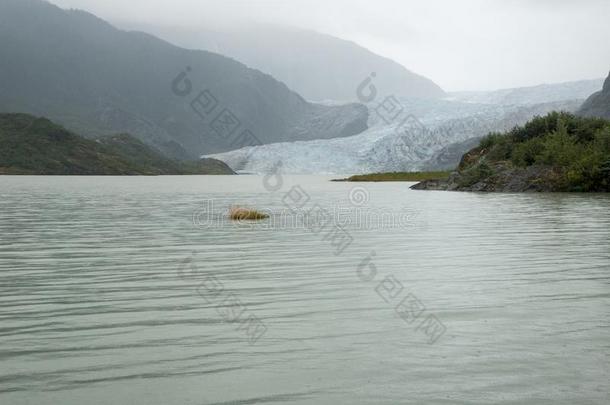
[110, 294]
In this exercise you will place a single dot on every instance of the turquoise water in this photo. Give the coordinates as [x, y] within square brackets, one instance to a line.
[138, 290]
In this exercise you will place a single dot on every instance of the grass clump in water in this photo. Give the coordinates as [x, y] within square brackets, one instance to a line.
[246, 214]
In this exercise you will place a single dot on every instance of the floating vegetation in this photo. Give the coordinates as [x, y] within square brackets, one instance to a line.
[246, 214]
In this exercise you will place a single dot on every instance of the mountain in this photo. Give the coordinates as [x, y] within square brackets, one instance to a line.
[31, 145]
[542, 93]
[557, 152]
[598, 105]
[318, 66]
[79, 70]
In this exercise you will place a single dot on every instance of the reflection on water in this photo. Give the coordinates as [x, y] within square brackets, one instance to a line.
[111, 294]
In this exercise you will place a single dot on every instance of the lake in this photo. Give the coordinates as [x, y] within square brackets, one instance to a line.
[139, 290]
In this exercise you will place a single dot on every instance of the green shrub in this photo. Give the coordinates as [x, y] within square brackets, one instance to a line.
[475, 174]
[537, 127]
[526, 153]
[560, 148]
[601, 140]
[501, 150]
[490, 140]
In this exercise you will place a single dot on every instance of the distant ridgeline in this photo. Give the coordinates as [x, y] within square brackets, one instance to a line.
[315, 65]
[31, 145]
[598, 105]
[557, 152]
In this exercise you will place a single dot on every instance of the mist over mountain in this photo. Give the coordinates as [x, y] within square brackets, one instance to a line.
[82, 72]
[317, 66]
[543, 93]
[598, 105]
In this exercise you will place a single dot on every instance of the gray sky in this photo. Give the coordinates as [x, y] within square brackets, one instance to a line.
[460, 44]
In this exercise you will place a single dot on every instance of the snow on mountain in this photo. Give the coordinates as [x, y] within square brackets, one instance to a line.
[543, 93]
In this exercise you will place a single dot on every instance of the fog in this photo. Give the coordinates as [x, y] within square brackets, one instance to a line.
[465, 45]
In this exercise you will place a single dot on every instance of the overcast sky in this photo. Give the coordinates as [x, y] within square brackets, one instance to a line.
[460, 44]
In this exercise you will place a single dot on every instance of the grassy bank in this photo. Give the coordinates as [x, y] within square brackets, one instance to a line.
[398, 176]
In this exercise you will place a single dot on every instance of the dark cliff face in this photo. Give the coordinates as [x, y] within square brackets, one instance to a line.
[82, 72]
[598, 105]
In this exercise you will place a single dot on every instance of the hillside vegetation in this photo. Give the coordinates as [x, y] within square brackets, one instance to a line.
[557, 152]
[31, 145]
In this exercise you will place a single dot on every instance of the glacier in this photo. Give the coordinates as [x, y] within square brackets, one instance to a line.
[431, 127]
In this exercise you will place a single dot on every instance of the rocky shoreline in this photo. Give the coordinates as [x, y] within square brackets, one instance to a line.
[505, 178]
